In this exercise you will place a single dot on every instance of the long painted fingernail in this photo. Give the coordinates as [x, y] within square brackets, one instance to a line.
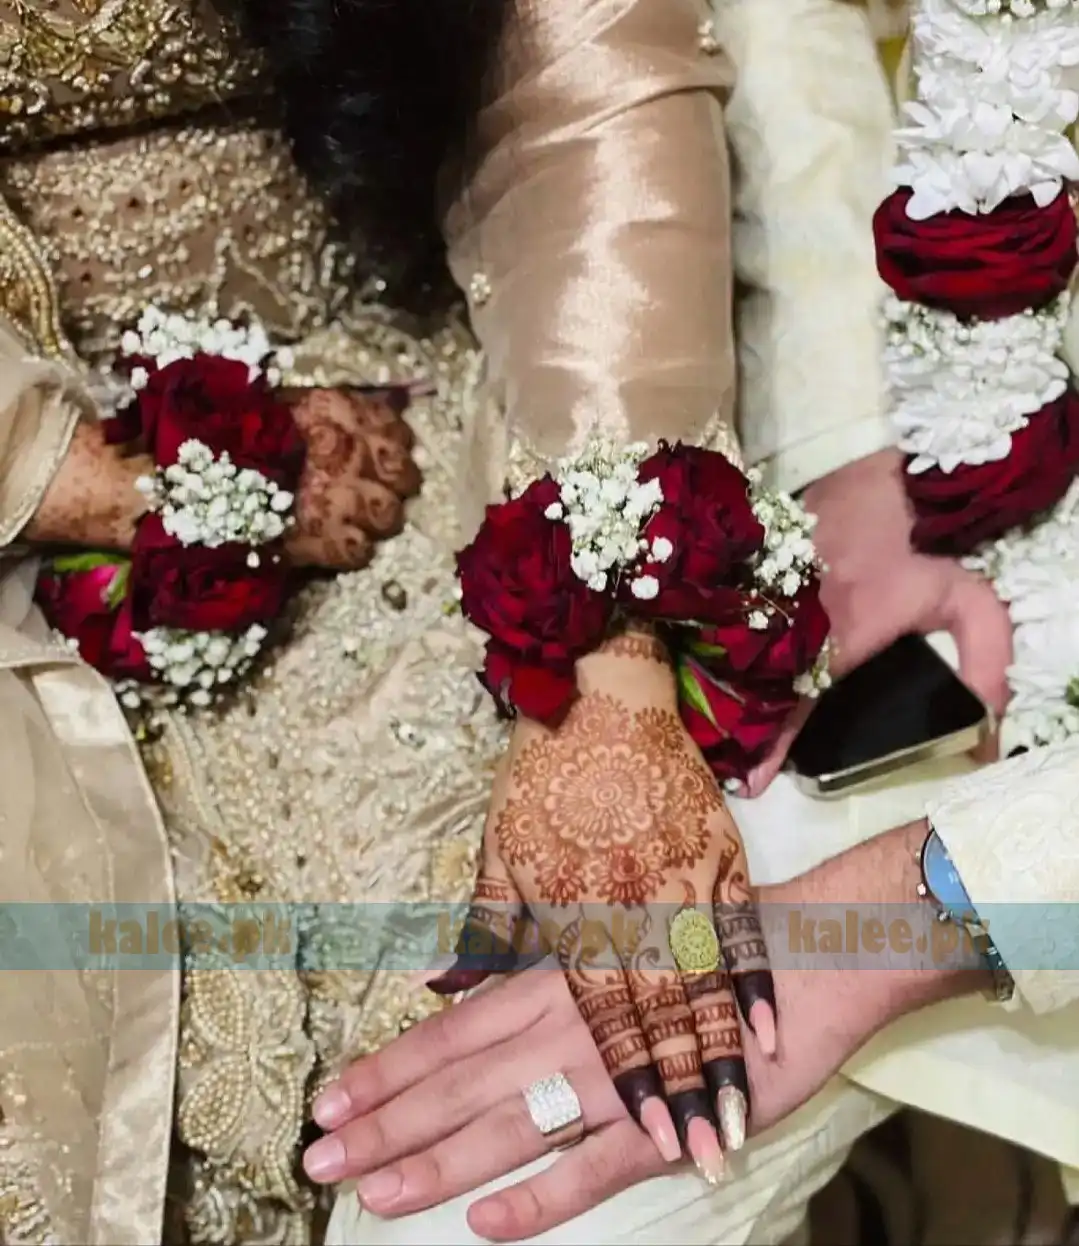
[332, 1107]
[636, 1087]
[731, 1108]
[455, 980]
[687, 1106]
[762, 1021]
[751, 989]
[656, 1120]
[325, 1160]
[379, 1189]
[706, 1151]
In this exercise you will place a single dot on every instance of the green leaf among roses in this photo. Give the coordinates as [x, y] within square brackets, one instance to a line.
[689, 688]
[66, 564]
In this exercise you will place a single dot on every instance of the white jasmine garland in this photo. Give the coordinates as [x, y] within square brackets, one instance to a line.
[205, 499]
[959, 390]
[1015, 8]
[991, 110]
[1036, 574]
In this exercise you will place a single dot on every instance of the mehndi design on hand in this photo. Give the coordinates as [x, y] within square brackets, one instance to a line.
[606, 829]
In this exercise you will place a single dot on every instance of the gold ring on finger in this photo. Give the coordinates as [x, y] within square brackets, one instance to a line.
[694, 942]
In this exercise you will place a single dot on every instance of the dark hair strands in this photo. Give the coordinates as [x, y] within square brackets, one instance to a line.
[379, 100]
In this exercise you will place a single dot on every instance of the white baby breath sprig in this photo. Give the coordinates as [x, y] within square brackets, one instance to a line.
[959, 390]
[788, 560]
[205, 499]
[194, 667]
[604, 506]
[165, 337]
[786, 564]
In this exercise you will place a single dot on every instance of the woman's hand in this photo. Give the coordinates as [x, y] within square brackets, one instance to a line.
[606, 830]
[358, 472]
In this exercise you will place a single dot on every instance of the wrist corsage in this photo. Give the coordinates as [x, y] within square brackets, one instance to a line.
[186, 615]
[679, 538]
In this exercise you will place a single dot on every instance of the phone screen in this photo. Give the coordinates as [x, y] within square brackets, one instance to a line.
[904, 697]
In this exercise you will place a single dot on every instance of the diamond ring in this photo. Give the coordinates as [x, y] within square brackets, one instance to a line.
[555, 1111]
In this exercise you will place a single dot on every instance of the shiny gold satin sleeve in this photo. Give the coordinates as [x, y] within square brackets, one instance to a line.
[593, 238]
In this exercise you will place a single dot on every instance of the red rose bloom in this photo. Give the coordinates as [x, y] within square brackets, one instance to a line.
[212, 400]
[734, 730]
[202, 589]
[956, 511]
[707, 519]
[83, 605]
[998, 264]
[518, 586]
[768, 657]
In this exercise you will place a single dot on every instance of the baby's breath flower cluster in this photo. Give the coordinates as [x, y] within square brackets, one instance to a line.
[205, 499]
[604, 505]
[166, 337]
[193, 667]
[788, 561]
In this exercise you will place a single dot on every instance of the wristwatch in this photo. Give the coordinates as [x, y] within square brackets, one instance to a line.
[943, 888]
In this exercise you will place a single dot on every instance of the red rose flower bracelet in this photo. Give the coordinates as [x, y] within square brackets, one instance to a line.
[679, 537]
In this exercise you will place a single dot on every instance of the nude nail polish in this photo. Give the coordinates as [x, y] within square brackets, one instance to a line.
[657, 1121]
[731, 1109]
[331, 1107]
[379, 1189]
[325, 1160]
[706, 1152]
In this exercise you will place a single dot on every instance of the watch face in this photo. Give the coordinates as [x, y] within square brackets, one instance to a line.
[943, 881]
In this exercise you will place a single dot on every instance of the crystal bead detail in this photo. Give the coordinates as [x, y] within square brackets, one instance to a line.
[552, 1104]
[479, 289]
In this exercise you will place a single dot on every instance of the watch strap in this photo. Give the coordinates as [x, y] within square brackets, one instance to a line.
[1002, 987]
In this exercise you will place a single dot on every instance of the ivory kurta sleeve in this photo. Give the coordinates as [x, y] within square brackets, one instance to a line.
[1012, 832]
[593, 238]
[810, 124]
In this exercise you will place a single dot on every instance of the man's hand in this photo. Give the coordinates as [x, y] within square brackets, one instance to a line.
[876, 588]
[416, 1121]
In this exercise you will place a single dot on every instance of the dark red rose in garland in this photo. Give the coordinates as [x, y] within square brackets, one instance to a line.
[956, 511]
[200, 588]
[700, 540]
[1000, 263]
[213, 400]
[518, 586]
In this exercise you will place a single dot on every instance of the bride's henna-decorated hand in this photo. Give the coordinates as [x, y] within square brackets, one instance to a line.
[359, 470]
[604, 830]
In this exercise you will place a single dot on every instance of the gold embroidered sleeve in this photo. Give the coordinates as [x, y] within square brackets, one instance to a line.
[593, 238]
[41, 394]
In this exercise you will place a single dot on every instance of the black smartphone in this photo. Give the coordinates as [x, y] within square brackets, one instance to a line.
[905, 705]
